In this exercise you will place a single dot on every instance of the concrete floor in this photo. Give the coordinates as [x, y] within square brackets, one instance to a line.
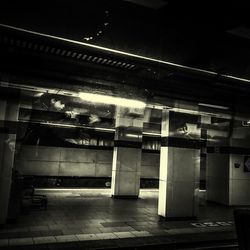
[90, 214]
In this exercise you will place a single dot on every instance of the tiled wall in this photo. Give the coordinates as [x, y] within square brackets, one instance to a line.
[59, 161]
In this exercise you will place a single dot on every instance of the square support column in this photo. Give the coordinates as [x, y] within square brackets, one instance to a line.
[8, 117]
[126, 168]
[228, 174]
[179, 166]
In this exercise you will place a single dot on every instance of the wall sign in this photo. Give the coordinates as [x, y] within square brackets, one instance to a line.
[247, 163]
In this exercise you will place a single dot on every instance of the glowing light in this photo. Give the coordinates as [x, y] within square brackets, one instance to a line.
[212, 106]
[150, 133]
[112, 100]
[38, 94]
[86, 38]
[110, 50]
[236, 78]
[133, 136]
[157, 106]
[125, 53]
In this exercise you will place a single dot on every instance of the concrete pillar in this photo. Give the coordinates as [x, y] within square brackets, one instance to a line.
[126, 167]
[228, 174]
[8, 114]
[179, 166]
[239, 167]
[217, 174]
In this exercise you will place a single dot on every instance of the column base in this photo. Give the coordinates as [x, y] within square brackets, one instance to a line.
[125, 196]
[177, 218]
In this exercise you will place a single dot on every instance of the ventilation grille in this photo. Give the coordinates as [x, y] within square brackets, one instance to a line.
[42, 48]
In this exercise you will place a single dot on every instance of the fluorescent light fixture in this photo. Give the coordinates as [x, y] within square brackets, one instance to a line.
[112, 100]
[110, 50]
[158, 106]
[124, 53]
[151, 133]
[236, 78]
[212, 106]
[133, 136]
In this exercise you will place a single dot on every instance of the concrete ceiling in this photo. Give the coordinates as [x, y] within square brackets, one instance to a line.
[203, 34]
[194, 33]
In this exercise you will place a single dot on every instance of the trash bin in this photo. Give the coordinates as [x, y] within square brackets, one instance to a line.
[242, 227]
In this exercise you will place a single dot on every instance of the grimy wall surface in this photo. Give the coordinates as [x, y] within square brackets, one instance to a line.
[60, 161]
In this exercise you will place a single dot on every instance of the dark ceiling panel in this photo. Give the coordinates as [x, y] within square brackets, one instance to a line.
[188, 32]
[192, 33]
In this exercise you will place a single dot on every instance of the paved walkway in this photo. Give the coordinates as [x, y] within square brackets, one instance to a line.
[79, 215]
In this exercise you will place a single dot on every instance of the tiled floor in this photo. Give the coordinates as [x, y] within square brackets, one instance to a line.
[90, 214]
